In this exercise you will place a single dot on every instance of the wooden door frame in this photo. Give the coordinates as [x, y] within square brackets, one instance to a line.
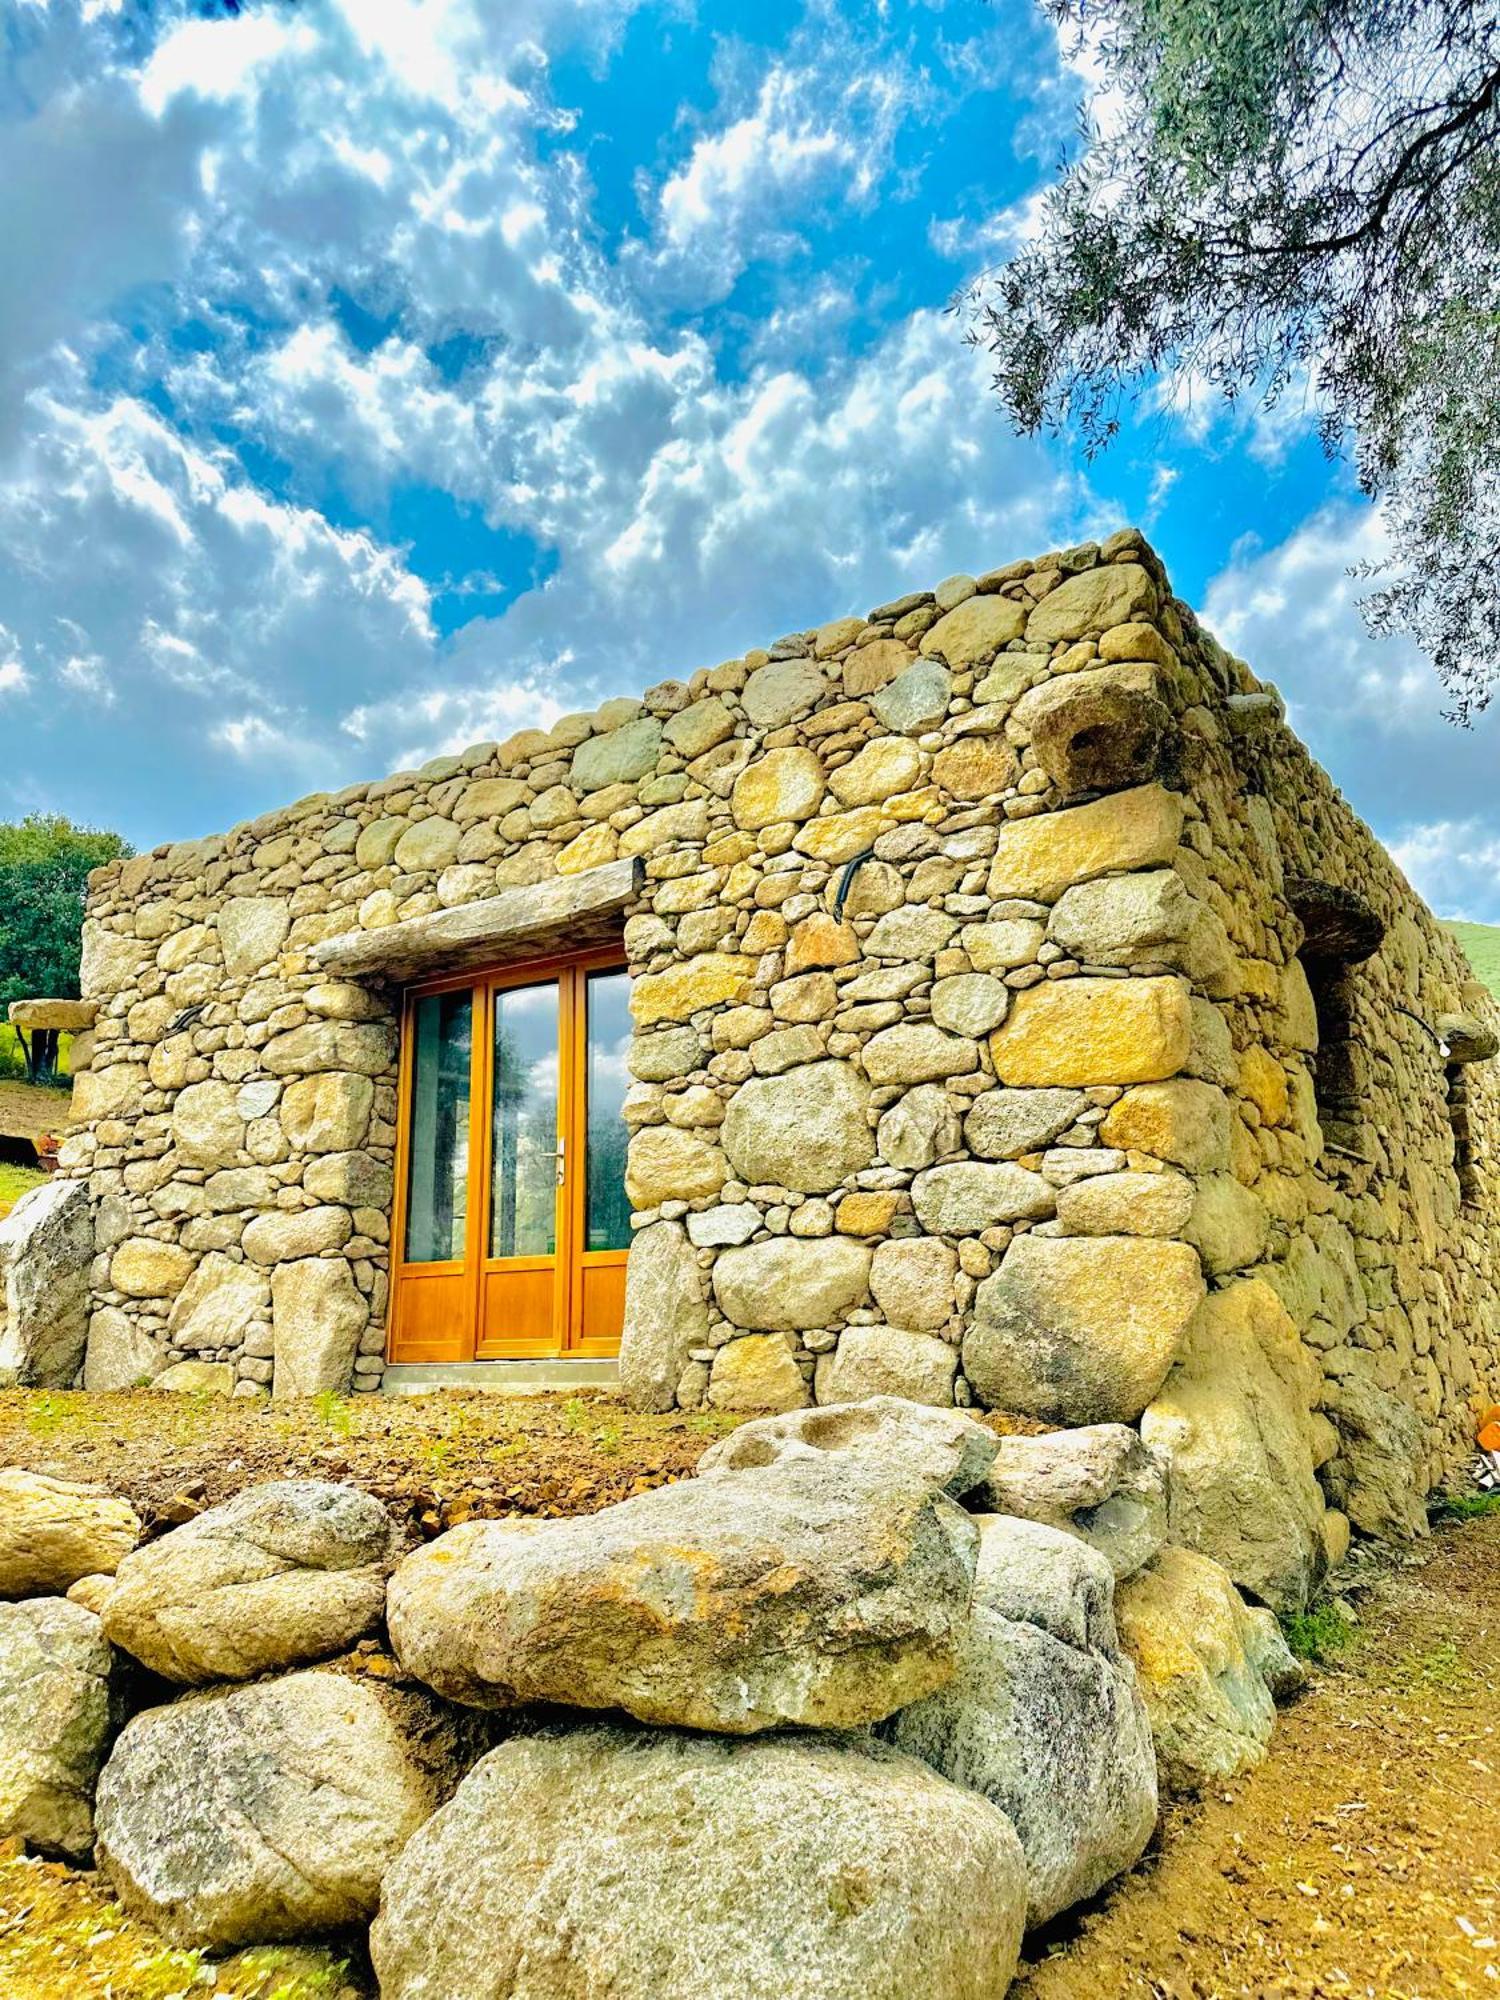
[571, 972]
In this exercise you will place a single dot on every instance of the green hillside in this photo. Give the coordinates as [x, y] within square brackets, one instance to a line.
[1482, 943]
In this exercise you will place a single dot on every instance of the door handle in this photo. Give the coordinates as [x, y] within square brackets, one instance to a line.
[561, 1157]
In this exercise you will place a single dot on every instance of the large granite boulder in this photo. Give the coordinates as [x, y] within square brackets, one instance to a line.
[676, 1867]
[282, 1573]
[1202, 1660]
[1043, 1716]
[1235, 1421]
[46, 1246]
[1100, 1483]
[1081, 1329]
[56, 1712]
[53, 1531]
[944, 1448]
[817, 1591]
[250, 1815]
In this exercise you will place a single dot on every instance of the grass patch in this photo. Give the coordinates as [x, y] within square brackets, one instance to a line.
[1481, 943]
[16, 1181]
[1319, 1635]
[1464, 1506]
[1442, 1666]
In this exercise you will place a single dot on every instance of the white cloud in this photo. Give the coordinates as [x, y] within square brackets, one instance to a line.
[1370, 710]
[189, 436]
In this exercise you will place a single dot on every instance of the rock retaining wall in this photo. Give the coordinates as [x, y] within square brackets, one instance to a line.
[893, 1728]
[975, 1058]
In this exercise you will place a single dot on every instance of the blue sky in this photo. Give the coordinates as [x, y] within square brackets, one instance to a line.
[381, 376]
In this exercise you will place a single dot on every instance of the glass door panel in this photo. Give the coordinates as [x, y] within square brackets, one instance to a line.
[598, 1305]
[525, 1150]
[438, 1145]
[432, 1312]
[523, 1287]
[606, 1080]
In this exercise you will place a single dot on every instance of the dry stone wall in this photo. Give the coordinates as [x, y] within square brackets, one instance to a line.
[973, 1058]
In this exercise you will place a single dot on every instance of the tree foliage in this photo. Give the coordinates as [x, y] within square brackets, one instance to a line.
[1272, 196]
[44, 864]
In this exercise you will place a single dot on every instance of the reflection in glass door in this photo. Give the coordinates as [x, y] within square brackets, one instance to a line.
[512, 1218]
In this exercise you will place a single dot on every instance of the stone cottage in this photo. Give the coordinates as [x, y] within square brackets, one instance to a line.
[986, 1000]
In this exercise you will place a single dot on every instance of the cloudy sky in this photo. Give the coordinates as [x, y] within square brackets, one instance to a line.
[379, 376]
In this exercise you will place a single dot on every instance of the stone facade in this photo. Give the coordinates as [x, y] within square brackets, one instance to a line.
[981, 950]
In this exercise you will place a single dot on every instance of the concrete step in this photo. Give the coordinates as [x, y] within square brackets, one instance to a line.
[498, 1378]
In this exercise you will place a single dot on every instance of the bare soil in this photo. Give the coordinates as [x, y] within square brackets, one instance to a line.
[434, 1460]
[1362, 1859]
[27, 1110]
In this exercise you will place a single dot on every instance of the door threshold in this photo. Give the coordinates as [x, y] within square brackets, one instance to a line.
[499, 1378]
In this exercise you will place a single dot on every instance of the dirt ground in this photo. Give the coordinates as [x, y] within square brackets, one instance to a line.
[434, 1460]
[27, 1110]
[1361, 1860]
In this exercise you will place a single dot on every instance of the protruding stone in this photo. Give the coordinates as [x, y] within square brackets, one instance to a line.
[813, 1593]
[54, 1531]
[260, 1814]
[1235, 1421]
[618, 758]
[1004, 1124]
[756, 1372]
[319, 1314]
[56, 1711]
[912, 1280]
[668, 1164]
[1043, 1718]
[1100, 1483]
[972, 1195]
[887, 1361]
[902, 1438]
[881, 1882]
[784, 785]
[1084, 606]
[1184, 1121]
[1182, 1623]
[916, 699]
[974, 631]
[919, 1128]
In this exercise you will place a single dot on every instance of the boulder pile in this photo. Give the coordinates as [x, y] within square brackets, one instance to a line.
[847, 1713]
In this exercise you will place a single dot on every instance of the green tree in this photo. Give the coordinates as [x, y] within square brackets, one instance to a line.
[44, 865]
[1290, 196]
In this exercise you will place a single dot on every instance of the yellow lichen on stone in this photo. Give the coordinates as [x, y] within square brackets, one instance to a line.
[1095, 1031]
[1263, 1081]
[1040, 857]
[757, 1372]
[868, 1214]
[1185, 1121]
[591, 849]
[705, 981]
[783, 785]
[974, 631]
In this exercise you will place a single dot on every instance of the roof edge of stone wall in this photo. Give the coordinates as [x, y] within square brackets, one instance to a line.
[181, 857]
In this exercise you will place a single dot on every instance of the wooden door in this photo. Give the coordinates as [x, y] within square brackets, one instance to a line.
[511, 1222]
